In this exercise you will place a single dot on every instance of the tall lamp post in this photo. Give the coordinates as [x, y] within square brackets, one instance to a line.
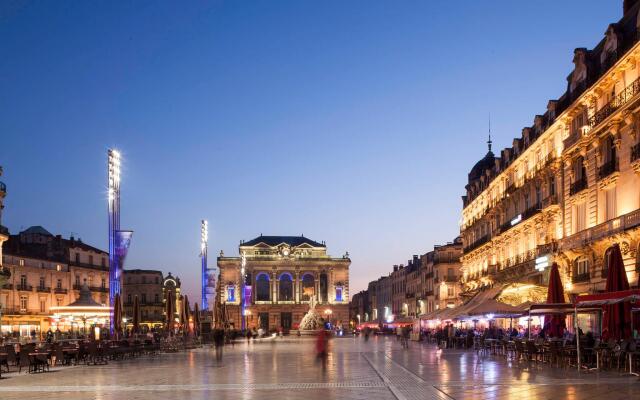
[113, 164]
[243, 264]
[204, 237]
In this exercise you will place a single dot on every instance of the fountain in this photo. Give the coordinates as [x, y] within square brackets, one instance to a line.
[312, 321]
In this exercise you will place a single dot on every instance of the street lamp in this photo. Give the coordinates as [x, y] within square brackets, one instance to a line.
[204, 238]
[113, 167]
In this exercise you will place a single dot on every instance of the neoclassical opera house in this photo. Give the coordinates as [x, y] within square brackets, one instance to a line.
[282, 274]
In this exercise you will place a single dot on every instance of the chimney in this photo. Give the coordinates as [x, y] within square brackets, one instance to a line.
[395, 268]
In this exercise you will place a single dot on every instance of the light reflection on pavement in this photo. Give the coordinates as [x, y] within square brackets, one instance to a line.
[287, 369]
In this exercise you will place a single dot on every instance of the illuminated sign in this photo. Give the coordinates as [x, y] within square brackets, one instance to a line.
[516, 220]
[542, 262]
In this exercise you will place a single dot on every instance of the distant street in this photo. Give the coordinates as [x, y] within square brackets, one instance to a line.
[287, 369]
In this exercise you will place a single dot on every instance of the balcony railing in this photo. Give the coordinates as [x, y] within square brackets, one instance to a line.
[621, 99]
[477, 243]
[581, 277]
[550, 201]
[99, 289]
[60, 291]
[608, 168]
[635, 152]
[578, 186]
[605, 229]
[24, 287]
[43, 289]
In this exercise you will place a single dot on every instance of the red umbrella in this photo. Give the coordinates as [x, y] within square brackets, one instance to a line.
[616, 322]
[186, 315]
[117, 315]
[136, 315]
[170, 312]
[555, 324]
[196, 320]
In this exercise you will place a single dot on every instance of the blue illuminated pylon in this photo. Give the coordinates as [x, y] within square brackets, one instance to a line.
[115, 274]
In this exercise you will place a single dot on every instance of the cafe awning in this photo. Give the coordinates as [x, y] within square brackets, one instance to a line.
[632, 296]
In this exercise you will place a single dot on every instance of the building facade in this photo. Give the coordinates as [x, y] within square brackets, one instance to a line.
[567, 188]
[45, 271]
[281, 275]
[147, 286]
[440, 275]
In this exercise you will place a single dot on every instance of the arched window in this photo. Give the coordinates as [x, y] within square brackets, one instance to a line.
[262, 287]
[308, 287]
[285, 292]
[324, 288]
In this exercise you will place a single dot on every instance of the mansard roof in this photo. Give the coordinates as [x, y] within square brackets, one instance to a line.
[274, 241]
[590, 65]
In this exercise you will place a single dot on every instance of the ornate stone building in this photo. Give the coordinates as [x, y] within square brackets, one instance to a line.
[440, 277]
[147, 286]
[281, 275]
[567, 188]
[45, 271]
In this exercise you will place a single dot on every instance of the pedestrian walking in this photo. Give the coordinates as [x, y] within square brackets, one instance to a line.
[321, 348]
[218, 342]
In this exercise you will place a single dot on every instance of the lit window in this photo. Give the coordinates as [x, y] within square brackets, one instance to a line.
[21, 262]
[339, 293]
[24, 301]
[231, 293]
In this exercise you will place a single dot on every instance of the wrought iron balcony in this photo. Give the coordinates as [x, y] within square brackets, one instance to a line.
[605, 229]
[608, 168]
[578, 186]
[477, 243]
[43, 289]
[25, 287]
[60, 291]
[581, 278]
[621, 99]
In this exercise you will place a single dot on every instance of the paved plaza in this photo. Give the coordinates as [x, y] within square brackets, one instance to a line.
[287, 369]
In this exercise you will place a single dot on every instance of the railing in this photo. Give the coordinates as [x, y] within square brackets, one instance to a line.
[578, 186]
[8, 286]
[520, 258]
[43, 289]
[550, 201]
[450, 279]
[621, 99]
[613, 226]
[635, 152]
[572, 139]
[608, 168]
[24, 287]
[477, 243]
[548, 248]
[99, 289]
[60, 291]
[581, 278]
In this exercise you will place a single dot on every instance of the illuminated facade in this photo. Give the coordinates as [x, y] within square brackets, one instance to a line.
[147, 286]
[568, 187]
[440, 277]
[281, 275]
[48, 271]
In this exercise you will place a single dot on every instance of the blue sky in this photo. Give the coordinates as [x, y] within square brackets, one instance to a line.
[351, 122]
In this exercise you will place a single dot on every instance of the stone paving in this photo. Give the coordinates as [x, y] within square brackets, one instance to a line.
[287, 369]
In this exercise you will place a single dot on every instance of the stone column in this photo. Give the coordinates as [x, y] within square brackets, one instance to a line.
[296, 287]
